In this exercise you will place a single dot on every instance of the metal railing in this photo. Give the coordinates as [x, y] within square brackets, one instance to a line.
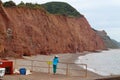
[46, 66]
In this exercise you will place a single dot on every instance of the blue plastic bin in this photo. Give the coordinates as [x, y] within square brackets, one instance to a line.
[22, 71]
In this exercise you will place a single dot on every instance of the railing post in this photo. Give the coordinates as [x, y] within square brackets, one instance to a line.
[48, 68]
[67, 69]
[15, 64]
[49, 63]
[31, 65]
[86, 71]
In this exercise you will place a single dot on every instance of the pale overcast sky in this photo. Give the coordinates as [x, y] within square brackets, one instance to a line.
[101, 14]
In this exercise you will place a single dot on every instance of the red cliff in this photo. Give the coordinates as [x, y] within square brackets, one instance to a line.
[26, 31]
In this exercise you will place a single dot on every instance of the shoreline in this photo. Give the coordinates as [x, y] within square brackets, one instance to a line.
[69, 58]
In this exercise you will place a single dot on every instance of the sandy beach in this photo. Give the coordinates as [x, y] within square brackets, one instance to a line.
[43, 75]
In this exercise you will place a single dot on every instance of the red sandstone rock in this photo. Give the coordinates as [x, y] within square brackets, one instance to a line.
[26, 31]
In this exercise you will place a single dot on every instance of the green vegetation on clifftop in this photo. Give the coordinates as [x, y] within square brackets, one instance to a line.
[61, 8]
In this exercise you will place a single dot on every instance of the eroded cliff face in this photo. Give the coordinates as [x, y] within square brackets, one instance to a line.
[26, 31]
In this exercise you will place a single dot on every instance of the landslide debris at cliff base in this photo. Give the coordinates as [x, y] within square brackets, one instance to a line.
[26, 31]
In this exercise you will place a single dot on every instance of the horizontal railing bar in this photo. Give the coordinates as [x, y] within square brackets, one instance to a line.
[59, 62]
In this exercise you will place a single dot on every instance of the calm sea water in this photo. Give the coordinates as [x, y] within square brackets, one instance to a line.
[104, 63]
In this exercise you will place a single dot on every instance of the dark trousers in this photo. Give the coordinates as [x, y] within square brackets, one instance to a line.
[54, 68]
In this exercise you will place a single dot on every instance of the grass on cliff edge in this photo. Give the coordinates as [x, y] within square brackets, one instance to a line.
[59, 8]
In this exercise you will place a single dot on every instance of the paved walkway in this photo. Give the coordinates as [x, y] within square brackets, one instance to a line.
[44, 76]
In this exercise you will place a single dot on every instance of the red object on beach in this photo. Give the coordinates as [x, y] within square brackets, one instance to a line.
[8, 65]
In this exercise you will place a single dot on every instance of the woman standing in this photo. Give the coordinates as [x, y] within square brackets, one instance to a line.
[55, 62]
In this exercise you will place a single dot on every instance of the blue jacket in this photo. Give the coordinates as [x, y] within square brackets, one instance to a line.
[55, 61]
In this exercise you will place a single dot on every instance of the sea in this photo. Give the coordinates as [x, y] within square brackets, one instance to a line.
[105, 63]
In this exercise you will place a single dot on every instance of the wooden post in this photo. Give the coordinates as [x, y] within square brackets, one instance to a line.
[31, 65]
[48, 68]
[15, 64]
[86, 71]
[49, 63]
[67, 69]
